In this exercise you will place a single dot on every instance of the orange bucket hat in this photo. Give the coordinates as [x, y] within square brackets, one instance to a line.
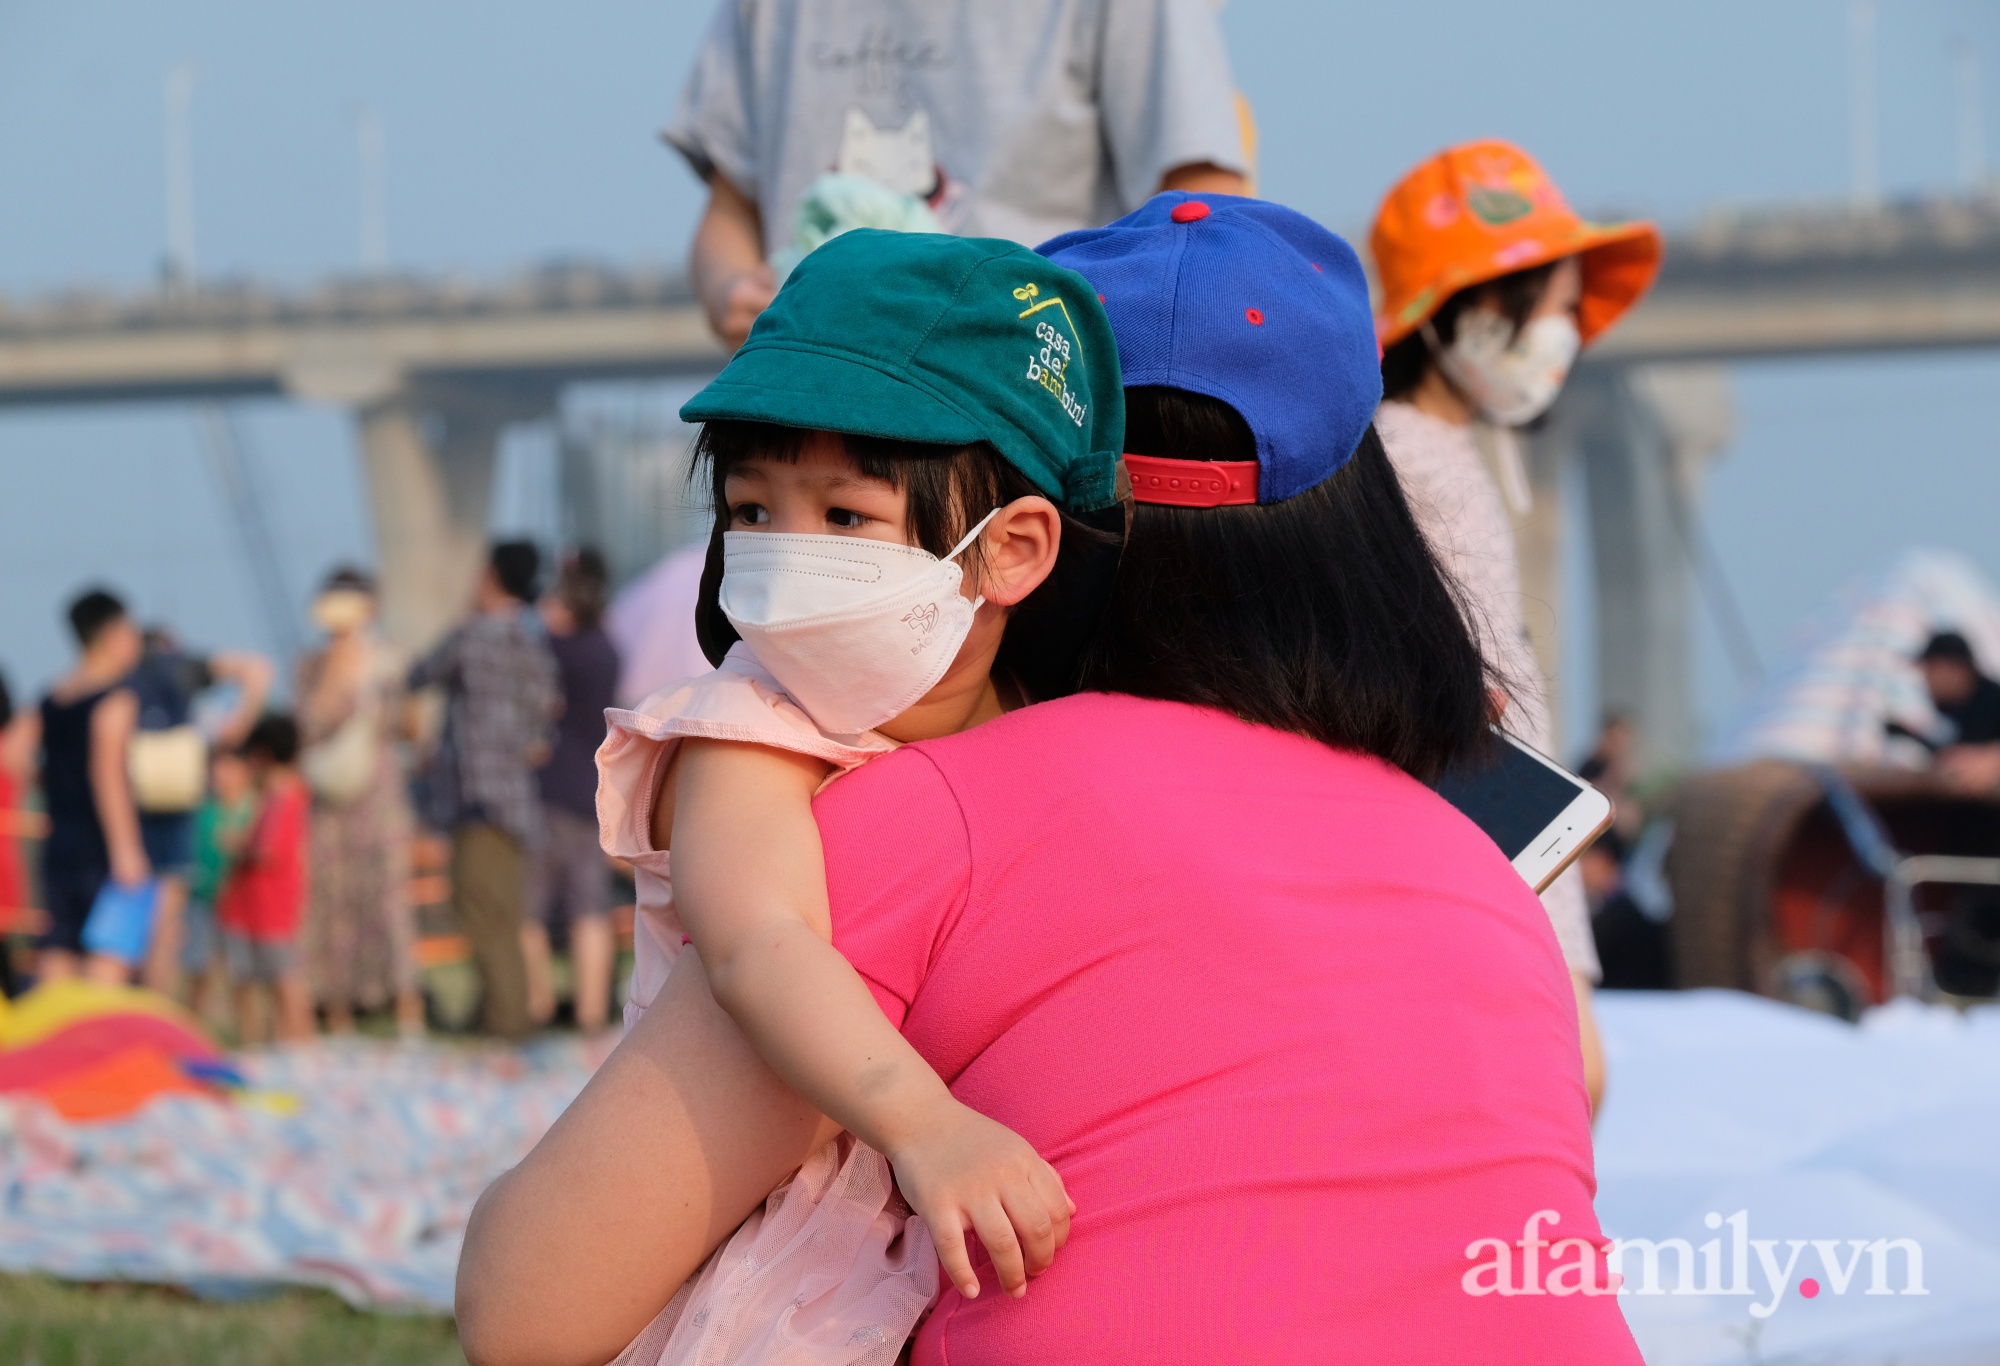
[1475, 212]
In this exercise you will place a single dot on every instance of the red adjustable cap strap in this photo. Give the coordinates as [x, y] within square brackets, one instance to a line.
[1191, 483]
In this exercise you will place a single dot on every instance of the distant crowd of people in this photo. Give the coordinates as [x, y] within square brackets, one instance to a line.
[258, 863]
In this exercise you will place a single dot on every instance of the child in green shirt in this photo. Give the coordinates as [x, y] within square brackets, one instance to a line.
[219, 824]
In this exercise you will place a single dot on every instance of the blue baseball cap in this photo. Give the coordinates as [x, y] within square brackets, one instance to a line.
[1250, 303]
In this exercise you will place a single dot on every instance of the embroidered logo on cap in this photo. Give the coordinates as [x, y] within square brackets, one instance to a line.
[1049, 366]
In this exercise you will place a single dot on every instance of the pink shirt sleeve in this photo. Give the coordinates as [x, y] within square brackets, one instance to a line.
[898, 869]
[739, 701]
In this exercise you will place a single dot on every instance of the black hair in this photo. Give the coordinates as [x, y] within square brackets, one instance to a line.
[6, 704]
[1948, 645]
[584, 585]
[1514, 296]
[91, 613]
[1325, 614]
[516, 564]
[949, 488]
[348, 578]
[275, 736]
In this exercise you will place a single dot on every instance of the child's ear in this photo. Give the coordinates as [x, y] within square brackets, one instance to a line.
[1018, 549]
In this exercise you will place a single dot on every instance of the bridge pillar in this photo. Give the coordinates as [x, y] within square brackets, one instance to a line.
[1643, 435]
[429, 454]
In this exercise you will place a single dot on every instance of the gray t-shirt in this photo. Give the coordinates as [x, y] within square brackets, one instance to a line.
[1014, 118]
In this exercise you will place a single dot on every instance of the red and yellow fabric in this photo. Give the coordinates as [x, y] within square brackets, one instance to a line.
[88, 1042]
[98, 1052]
[115, 1086]
[35, 1015]
[1485, 209]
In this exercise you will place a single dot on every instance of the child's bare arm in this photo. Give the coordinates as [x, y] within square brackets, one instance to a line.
[750, 885]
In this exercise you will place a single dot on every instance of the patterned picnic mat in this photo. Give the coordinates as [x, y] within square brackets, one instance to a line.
[350, 1164]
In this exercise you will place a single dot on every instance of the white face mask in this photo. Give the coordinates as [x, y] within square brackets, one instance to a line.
[1510, 379]
[855, 630]
[342, 609]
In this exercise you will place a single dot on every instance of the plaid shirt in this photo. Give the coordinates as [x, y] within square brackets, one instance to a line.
[501, 701]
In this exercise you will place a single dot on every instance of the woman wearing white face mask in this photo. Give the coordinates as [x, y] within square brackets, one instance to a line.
[1491, 286]
[358, 934]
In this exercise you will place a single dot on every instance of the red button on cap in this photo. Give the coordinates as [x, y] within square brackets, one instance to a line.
[1189, 211]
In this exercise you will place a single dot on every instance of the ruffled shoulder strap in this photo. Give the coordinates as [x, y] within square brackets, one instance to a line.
[740, 702]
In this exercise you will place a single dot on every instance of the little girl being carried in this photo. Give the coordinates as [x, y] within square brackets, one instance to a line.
[907, 400]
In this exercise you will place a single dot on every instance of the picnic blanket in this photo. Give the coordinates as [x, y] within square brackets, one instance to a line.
[1814, 1130]
[1824, 1135]
[347, 1164]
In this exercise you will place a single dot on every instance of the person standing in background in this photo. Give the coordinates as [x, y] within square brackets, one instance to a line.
[170, 769]
[569, 878]
[1970, 701]
[500, 697]
[80, 735]
[1018, 121]
[220, 822]
[1491, 284]
[1610, 767]
[14, 765]
[359, 937]
[651, 622]
[264, 897]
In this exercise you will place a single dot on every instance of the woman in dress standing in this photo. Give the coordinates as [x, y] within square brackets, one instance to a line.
[358, 934]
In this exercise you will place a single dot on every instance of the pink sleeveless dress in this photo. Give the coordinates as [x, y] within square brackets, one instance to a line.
[834, 1270]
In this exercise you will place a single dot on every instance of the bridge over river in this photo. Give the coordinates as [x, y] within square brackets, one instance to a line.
[435, 368]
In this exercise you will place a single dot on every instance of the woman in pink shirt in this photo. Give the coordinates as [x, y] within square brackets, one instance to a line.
[1298, 1040]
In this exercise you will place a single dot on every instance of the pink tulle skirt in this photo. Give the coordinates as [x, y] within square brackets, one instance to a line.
[834, 1270]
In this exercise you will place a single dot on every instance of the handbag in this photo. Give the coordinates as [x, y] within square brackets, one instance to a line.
[341, 767]
[120, 923]
[168, 769]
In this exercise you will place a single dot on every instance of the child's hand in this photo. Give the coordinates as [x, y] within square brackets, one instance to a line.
[963, 1171]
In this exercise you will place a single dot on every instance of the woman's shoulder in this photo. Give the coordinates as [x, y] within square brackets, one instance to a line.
[1416, 441]
[1113, 750]
[1107, 713]
[1118, 736]
[1407, 422]
[1059, 741]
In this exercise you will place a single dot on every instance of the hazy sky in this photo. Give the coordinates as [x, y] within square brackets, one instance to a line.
[518, 133]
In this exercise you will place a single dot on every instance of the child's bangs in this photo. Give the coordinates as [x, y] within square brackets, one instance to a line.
[949, 487]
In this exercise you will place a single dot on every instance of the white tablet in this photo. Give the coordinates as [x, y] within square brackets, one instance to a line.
[1540, 814]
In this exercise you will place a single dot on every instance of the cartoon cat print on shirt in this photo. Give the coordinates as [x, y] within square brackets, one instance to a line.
[897, 158]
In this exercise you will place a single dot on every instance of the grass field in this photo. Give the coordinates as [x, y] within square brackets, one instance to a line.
[52, 1323]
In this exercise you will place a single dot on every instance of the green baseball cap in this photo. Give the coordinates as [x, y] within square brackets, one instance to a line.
[924, 337]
